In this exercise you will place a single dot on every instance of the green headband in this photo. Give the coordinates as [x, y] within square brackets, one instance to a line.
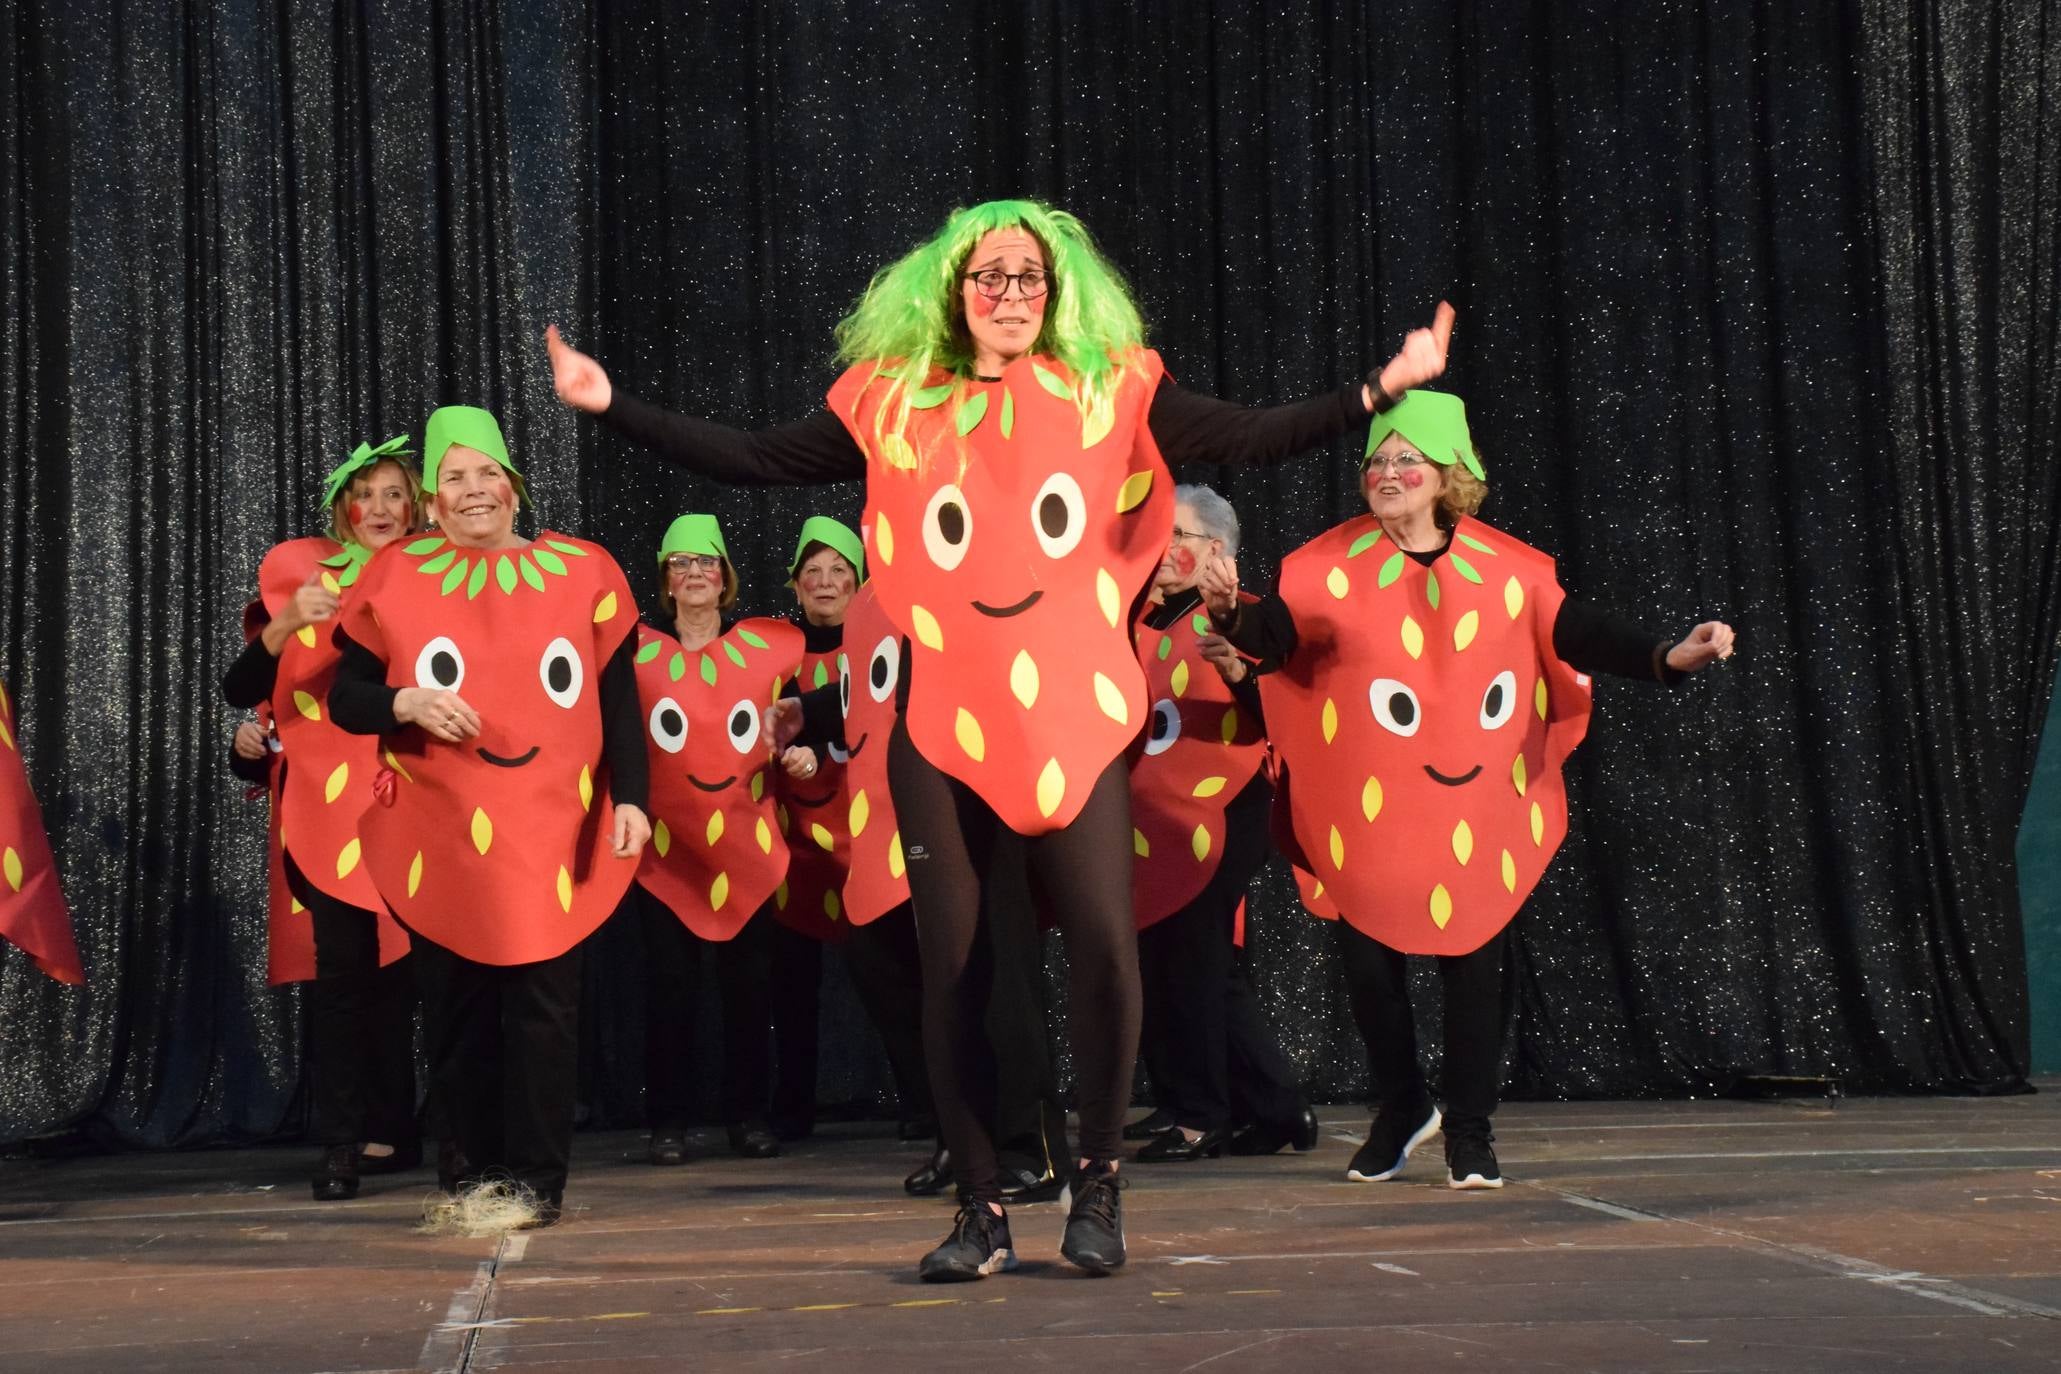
[1435, 423]
[363, 458]
[833, 535]
[464, 426]
[693, 534]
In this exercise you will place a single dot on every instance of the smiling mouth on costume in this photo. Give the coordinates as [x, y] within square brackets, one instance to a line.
[1450, 780]
[712, 786]
[501, 762]
[999, 612]
[853, 751]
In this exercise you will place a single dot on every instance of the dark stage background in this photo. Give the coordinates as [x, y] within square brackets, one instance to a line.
[1757, 320]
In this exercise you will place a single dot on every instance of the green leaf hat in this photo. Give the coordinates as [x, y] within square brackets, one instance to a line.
[466, 426]
[1435, 423]
[834, 535]
[363, 458]
[694, 533]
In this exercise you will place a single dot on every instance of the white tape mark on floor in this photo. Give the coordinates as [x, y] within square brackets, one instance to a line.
[1609, 1208]
[448, 1341]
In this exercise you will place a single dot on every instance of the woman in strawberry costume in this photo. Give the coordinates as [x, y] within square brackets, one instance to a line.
[33, 914]
[328, 926]
[1433, 677]
[1013, 433]
[498, 673]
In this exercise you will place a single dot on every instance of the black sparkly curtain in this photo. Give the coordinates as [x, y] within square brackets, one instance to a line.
[1758, 321]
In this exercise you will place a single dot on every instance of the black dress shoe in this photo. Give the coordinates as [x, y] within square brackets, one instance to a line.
[402, 1158]
[1172, 1147]
[668, 1147]
[933, 1178]
[452, 1166]
[916, 1128]
[1021, 1183]
[1157, 1122]
[752, 1140]
[1265, 1137]
[336, 1176]
[550, 1207]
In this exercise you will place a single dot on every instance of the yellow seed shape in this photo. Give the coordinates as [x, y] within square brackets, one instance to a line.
[780, 895]
[339, 778]
[714, 831]
[564, 889]
[1370, 798]
[1463, 633]
[662, 837]
[895, 866]
[1179, 679]
[1517, 774]
[820, 833]
[306, 635]
[10, 863]
[482, 830]
[884, 539]
[1139, 845]
[763, 833]
[1509, 872]
[1135, 489]
[1335, 582]
[719, 891]
[1337, 849]
[1316, 892]
[927, 632]
[1413, 637]
[415, 873]
[1108, 597]
[1051, 787]
[307, 705]
[831, 906]
[1538, 824]
[6, 735]
[330, 585]
[1330, 720]
[1023, 679]
[967, 731]
[1538, 698]
[294, 905]
[347, 858]
[1209, 787]
[586, 788]
[1463, 842]
[1227, 728]
[1199, 842]
[1513, 598]
[785, 826]
[1110, 698]
[604, 609]
[861, 812]
[396, 765]
[1441, 906]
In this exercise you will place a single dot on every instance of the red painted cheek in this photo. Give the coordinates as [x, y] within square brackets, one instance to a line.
[982, 306]
[359, 510]
[1184, 563]
[1412, 480]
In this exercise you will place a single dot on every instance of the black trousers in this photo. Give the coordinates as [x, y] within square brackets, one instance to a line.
[1473, 988]
[795, 996]
[1213, 1059]
[887, 973]
[504, 1059]
[1083, 871]
[743, 972]
[361, 1027]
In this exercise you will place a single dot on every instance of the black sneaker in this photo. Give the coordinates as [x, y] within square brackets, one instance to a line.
[1397, 1130]
[978, 1246]
[1094, 1237]
[1470, 1158]
[336, 1174]
[668, 1147]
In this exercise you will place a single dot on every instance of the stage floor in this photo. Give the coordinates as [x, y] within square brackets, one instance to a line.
[1888, 1233]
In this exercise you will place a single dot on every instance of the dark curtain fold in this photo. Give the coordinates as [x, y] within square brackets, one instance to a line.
[1758, 320]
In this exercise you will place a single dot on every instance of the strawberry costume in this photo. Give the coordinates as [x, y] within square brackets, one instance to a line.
[33, 916]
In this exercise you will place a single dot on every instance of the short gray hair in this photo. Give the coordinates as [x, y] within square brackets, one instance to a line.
[1218, 519]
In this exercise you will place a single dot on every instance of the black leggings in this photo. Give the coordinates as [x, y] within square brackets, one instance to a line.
[1084, 873]
[1473, 989]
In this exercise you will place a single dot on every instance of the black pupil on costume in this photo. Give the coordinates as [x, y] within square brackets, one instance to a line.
[670, 722]
[1160, 725]
[443, 666]
[1052, 515]
[1494, 705]
[559, 673]
[740, 724]
[951, 522]
[1402, 709]
[880, 673]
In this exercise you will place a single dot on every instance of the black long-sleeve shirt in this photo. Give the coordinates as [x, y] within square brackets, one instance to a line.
[252, 676]
[1179, 607]
[361, 702]
[1187, 427]
[1585, 635]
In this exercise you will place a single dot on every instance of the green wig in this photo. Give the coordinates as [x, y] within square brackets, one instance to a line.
[906, 323]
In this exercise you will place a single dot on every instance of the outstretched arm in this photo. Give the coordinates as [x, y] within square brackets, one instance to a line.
[1596, 641]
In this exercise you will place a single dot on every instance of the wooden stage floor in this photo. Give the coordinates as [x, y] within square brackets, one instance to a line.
[1886, 1234]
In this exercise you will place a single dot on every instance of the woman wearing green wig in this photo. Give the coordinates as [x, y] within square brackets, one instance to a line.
[1014, 433]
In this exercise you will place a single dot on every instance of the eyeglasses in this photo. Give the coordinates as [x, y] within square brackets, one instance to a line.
[1396, 462]
[693, 562]
[993, 282]
[1180, 533]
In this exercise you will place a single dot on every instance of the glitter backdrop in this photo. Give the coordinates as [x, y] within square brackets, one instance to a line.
[1758, 320]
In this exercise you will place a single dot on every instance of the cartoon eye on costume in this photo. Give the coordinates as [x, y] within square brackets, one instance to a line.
[1395, 706]
[838, 753]
[947, 527]
[668, 725]
[1059, 515]
[440, 665]
[844, 685]
[1166, 727]
[1499, 702]
[744, 726]
[560, 672]
[884, 669]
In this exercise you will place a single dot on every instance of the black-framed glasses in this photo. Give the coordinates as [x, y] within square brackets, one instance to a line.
[690, 562]
[993, 282]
